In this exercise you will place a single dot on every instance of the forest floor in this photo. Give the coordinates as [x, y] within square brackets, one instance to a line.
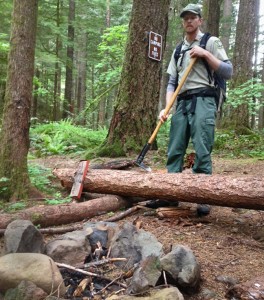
[228, 243]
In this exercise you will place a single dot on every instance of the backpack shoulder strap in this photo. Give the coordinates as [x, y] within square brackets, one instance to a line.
[205, 39]
[203, 43]
[177, 51]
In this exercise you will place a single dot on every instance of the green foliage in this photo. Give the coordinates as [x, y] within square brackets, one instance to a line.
[229, 143]
[63, 138]
[163, 136]
[58, 200]
[247, 93]
[111, 52]
[40, 91]
[41, 178]
[3, 186]
[13, 207]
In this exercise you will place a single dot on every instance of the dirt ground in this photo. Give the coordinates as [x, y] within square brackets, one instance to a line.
[228, 243]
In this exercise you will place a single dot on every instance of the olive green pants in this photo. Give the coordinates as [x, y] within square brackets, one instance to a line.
[199, 127]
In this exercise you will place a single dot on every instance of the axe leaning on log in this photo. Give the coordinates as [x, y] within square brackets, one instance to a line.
[139, 162]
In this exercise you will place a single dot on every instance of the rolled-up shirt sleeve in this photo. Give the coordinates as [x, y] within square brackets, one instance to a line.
[171, 84]
[225, 69]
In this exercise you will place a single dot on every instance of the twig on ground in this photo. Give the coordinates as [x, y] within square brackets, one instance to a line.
[87, 273]
[103, 262]
[123, 214]
[165, 278]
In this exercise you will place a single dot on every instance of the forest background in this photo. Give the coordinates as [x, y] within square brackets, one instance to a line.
[75, 78]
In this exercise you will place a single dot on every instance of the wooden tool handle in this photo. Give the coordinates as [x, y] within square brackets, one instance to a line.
[173, 98]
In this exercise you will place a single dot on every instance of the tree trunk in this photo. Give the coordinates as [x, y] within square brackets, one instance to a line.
[242, 59]
[67, 213]
[81, 73]
[211, 15]
[57, 77]
[68, 105]
[261, 110]
[244, 191]
[18, 100]
[226, 24]
[35, 98]
[103, 101]
[135, 114]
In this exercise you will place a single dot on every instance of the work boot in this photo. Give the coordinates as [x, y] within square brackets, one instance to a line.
[203, 210]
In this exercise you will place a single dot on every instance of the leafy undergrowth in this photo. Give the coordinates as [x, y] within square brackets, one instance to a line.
[63, 138]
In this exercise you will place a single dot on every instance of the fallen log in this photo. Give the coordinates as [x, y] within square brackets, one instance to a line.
[66, 213]
[243, 192]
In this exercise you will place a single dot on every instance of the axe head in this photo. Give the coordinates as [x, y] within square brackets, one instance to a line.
[142, 166]
[139, 161]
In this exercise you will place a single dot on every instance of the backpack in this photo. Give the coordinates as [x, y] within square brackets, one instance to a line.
[219, 82]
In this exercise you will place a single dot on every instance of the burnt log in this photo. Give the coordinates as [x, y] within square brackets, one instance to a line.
[66, 213]
[230, 191]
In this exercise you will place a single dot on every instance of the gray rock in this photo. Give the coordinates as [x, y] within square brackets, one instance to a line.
[26, 290]
[182, 266]
[145, 276]
[21, 236]
[71, 248]
[101, 232]
[135, 245]
[37, 268]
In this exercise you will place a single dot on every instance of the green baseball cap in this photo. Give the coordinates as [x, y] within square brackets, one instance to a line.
[192, 8]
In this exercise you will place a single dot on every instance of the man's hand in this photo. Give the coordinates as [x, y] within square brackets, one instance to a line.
[198, 51]
[163, 118]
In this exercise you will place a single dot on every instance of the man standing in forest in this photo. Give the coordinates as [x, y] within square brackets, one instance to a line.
[196, 109]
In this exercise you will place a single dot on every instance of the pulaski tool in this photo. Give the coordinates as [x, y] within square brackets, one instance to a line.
[139, 162]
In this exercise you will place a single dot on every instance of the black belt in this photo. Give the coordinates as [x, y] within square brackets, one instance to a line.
[193, 91]
[192, 95]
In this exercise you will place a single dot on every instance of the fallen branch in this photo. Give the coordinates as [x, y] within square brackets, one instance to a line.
[103, 262]
[110, 283]
[124, 214]
[88, 273]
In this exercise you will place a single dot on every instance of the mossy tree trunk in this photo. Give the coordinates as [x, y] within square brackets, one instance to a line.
[18, 98]
[136, 108]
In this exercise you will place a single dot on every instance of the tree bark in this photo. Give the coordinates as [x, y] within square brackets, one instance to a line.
[244, 192]
[226, 24]
[243, 56]
[68, 105]
[211, 15]
[135, 115]
[14, 135]
[261, 110]
[67, 213]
